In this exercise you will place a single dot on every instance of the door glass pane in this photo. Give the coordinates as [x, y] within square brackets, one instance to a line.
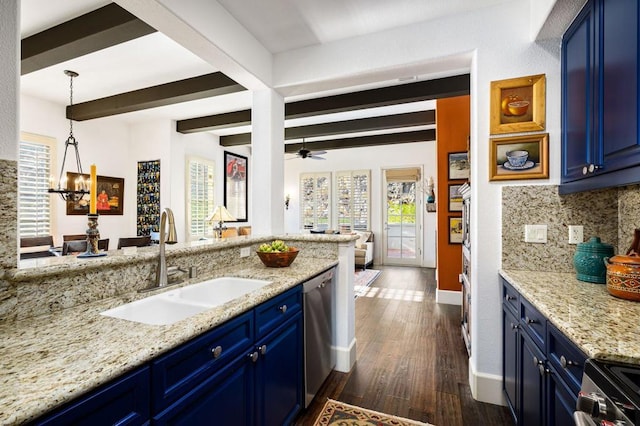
[401, 220]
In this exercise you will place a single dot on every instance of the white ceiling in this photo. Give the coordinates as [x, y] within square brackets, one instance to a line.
[143, 62]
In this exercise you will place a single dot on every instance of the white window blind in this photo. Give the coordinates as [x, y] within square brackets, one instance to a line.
[315, 197]
[35, 158]
[200, 202]
[354, 204]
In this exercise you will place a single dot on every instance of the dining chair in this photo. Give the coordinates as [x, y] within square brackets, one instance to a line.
[142, 241]
[74, 237]
[77, 246]
[34, 247]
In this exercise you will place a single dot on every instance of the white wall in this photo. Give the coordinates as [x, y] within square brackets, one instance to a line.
[420, 154]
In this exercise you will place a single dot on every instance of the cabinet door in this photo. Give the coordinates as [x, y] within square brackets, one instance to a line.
[532, 378]
[510, 360]
[279, 376]
[619, 79]
[226, 398]
[562, 401]
[578, 97]
[123, 402]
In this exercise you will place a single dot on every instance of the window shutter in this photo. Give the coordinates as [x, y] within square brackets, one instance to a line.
[34, 202]
[200, 188]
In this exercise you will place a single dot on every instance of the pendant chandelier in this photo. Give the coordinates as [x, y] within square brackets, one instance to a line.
[80, 187]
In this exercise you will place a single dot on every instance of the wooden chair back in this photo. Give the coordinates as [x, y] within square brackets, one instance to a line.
[229, 232]
[77, 246]
[142, 241]
[244, 230]
[74, 237]
[40, 247]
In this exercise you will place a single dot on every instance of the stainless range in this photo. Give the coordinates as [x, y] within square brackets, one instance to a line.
[610, 395]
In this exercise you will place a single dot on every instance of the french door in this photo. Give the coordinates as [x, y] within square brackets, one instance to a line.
[402, 227]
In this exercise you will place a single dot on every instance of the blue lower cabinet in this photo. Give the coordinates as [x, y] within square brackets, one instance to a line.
[279, 374]
[226, 398]
[532, 380]
[562, 401]
[124, 401]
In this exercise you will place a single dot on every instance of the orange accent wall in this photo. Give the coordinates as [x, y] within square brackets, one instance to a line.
[452, 131]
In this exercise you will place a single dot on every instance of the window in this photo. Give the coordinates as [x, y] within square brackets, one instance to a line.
[200, 202]
[315, 196]
[353, 199]
[36, 154]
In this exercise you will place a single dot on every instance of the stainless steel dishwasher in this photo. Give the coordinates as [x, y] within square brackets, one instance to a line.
[318, 331]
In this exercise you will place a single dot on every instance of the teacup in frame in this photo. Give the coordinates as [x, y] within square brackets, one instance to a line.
[519, 157]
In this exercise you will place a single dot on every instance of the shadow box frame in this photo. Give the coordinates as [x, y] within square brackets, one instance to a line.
[531, 88]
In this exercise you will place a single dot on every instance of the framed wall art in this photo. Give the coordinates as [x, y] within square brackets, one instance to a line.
[148, 197]
[455, 198]
[110, 196]
[519, 157]
[455, 230]
[458, 165]
[518, 105]
[235, 186]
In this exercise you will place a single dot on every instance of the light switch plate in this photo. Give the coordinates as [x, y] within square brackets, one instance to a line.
[245, 251]
[535, 234]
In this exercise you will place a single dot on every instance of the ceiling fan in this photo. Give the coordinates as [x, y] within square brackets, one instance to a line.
[305, 153]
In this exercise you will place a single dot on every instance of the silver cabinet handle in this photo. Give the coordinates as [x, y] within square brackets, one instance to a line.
[263, 349]
[514, 326]
[529, 320]
[508, 298]
[217, 351]
[283, 308]
[567, 362]
[253, 356]
[536, 361]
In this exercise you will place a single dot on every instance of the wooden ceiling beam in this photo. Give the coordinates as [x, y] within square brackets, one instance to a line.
[363, 141]
[394, 121]
[201, 87]
[412, 92]
[104, 27]
[215, 122]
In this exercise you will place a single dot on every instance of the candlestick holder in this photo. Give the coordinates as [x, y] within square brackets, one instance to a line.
[93, 235]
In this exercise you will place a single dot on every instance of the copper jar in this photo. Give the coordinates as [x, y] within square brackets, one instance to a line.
[623, 276]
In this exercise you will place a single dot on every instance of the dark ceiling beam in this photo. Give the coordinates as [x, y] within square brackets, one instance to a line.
[105, 27]
[412, 92]
[190, 89]
[363, 141]
[215, 122]
[395, 121]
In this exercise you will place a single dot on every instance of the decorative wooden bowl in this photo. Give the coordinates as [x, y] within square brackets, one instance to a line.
[278, 260]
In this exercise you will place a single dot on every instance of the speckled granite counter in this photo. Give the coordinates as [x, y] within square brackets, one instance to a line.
[50, 359]
[601, 325]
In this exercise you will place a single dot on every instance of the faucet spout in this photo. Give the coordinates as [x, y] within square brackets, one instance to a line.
[162, 276]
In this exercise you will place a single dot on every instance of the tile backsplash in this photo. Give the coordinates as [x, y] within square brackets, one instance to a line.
[611, 214]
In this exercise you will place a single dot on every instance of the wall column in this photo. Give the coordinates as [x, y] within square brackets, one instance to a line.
[266, 170]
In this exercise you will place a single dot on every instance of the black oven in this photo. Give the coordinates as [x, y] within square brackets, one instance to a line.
[610, 394]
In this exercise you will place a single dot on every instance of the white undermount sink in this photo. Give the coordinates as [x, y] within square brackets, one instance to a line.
[180, 303]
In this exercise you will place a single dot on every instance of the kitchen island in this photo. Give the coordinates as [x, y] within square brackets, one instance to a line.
[601, 325]
[47, 360]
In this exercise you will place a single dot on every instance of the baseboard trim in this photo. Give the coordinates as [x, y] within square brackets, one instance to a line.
[486, 387]
[345, 357]
[449, 297]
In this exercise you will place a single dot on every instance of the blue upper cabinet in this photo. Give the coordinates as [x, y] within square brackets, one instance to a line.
[600, 138]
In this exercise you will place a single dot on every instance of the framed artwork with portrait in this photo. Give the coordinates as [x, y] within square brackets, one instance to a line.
[235, 186]
[110, 196]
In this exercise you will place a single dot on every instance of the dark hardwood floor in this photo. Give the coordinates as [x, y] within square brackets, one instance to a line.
[411, 360]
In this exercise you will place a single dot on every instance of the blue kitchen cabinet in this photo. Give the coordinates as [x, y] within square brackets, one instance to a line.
[600, 100]
[542, 368]
[125, 401]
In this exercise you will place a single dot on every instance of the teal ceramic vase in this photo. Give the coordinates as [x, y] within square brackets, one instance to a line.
[589, 260]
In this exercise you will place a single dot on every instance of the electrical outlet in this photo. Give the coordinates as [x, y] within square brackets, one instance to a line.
[535, 234]
[576, 234]
[245, 251]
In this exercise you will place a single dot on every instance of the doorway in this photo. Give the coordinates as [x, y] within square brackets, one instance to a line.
[402, 221]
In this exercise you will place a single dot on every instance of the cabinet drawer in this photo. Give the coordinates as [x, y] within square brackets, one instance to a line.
[566, 358]
[510, 297]
[533, 322]
[276, 311]
[182, 369]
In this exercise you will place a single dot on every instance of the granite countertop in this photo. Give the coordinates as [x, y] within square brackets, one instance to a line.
[50, 359]
[601, 325]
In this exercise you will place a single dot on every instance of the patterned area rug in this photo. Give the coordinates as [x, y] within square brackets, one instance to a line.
[336, 413]
[363, 279]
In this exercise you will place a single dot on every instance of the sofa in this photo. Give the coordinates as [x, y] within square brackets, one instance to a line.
[364, 249]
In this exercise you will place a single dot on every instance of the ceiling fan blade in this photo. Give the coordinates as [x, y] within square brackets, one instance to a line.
[318, 152]
[313, 157]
